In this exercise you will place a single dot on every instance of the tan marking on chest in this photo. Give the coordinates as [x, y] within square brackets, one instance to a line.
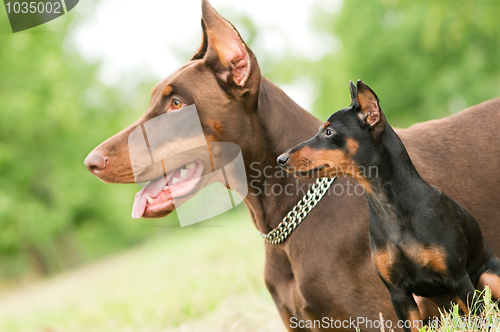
[383, 260]
[432, 257]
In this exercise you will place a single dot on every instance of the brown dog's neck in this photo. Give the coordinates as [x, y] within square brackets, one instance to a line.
[285, 122]
[281, 124]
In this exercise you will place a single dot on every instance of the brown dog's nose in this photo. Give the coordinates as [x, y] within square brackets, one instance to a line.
[94, 162]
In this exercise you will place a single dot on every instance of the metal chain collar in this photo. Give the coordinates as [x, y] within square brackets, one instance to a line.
[299, 211]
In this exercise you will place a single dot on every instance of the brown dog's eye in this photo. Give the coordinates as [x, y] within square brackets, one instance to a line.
[176, 104]
[328, 132]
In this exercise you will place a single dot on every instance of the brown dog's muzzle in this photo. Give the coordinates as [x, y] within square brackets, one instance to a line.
[110, 161]
[95, 162]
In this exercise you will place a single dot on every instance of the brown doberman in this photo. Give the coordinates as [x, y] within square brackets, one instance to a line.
[322, 275]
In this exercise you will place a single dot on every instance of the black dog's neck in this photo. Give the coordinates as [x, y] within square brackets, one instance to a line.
[396, 184]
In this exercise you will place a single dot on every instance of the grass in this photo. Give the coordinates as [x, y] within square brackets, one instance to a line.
[488, 320]
[207, 277]
[453, 321]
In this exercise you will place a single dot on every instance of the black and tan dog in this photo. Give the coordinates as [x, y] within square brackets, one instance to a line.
[422, 241]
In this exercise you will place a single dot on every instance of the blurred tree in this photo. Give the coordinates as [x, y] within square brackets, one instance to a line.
[425, 59]
[53, 111]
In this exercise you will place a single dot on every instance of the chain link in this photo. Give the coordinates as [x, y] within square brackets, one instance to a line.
[299, 212]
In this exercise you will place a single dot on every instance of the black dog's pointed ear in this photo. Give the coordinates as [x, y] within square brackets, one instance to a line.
[368, 102]
[354, 94]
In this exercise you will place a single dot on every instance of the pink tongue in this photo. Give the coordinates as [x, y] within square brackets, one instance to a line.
[153, 189]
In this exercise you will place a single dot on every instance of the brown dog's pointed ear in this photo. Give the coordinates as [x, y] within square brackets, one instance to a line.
[226, 52]
[204, 44]
[368, 102]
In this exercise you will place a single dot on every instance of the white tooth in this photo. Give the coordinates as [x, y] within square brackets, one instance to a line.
[190, 165]
[166, 187]
[183, 172]
[175, 180]
[149, 199]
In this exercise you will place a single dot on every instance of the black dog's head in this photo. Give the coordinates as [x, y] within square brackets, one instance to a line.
[347, 140]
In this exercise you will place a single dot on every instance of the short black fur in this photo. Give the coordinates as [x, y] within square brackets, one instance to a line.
[422, 241]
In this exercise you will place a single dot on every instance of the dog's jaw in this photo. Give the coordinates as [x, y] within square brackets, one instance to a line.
[156, 199]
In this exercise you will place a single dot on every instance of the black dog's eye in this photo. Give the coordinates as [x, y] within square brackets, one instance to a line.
[328, 132]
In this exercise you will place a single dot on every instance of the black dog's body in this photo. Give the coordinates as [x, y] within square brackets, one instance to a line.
[422, 241]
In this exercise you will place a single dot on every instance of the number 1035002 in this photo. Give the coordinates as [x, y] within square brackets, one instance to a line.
[33, 7]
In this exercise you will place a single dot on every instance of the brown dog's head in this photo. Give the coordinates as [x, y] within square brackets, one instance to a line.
[346, 143]
[222, 80]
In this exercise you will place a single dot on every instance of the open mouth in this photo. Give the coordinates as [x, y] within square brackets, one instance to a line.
[158, 195]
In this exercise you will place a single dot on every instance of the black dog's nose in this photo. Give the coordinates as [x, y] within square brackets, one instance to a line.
[283, 159]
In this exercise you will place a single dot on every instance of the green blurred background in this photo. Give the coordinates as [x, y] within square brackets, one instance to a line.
[425, 60]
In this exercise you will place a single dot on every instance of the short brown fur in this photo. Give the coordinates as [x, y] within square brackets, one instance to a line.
[295, 272]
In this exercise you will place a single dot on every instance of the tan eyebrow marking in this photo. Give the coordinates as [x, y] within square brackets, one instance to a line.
[327, 123]
[167, 90]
